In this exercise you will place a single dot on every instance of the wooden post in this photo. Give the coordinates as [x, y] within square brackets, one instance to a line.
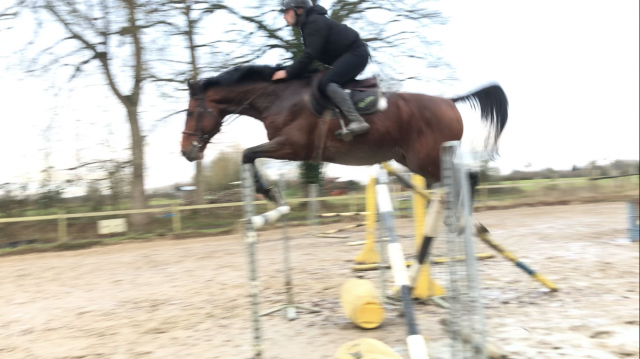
[312, 208]
[594, 184]
[485, 193]
[353, 206]
[541, 192]
[396, 196]
[62, 227]
[176, 219]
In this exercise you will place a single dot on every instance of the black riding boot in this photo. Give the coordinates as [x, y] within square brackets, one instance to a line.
[357, 125]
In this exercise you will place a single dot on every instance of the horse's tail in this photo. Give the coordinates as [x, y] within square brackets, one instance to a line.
[494, 108]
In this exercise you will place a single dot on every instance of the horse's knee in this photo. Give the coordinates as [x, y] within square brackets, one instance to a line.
[474, 178]
[249, 156]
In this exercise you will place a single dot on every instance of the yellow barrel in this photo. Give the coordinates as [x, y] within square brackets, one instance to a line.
[361, 303]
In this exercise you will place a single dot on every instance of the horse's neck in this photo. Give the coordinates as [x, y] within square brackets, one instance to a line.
[257, 100]
[251, 100]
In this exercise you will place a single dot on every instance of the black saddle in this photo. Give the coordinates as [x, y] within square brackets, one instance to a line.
[365, 95]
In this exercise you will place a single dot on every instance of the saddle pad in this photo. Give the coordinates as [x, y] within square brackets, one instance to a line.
[366, 102]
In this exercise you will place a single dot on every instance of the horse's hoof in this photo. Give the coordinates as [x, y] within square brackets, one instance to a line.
[345, 136]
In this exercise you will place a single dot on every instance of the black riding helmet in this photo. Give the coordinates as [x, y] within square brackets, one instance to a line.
[296, 4]
[292, 4]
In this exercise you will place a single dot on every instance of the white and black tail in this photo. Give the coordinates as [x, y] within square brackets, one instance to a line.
[494, 109]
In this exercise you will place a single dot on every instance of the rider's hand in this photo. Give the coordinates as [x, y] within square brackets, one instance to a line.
[279, 75]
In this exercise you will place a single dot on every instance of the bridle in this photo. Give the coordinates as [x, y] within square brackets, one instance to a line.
[202, 139]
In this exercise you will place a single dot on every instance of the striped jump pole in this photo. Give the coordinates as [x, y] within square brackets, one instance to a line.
[251, 239]
[466, 327]
[424, 285]
[485, 236]
[290, 308]
[415, 342]
[348, 214]
[422, 192]
[252, 223]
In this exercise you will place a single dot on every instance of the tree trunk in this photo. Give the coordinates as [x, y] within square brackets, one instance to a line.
[138, 200]
[199, 182]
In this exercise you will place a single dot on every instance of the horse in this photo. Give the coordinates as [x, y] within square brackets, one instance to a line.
[410, 130]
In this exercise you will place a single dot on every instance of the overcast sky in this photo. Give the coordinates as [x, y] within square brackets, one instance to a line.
[570, 69]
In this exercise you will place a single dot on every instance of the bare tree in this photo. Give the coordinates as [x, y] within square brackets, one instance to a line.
[224, 169]
[192, 19]
[107, 37]
[13, 198]
[188, 16]
[106, 175]
[190, 34]
[394, 30]
[8, 14]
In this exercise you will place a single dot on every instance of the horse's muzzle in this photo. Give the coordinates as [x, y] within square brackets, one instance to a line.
[194, 154]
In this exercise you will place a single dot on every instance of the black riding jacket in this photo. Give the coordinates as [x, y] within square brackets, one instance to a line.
[325, 40]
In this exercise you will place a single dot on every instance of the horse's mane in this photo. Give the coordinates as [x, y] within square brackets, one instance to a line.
[243, 75]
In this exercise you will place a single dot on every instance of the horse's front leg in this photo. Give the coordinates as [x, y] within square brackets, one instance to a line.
[277, 149]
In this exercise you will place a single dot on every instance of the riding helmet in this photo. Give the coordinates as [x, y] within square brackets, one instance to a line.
[292, 4]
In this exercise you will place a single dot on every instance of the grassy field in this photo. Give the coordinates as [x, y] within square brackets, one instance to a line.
[223, 220]
[545, 190]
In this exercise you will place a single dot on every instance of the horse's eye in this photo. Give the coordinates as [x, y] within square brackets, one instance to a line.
[189, 113]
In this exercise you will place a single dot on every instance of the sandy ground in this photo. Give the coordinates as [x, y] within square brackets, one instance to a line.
[189, 299]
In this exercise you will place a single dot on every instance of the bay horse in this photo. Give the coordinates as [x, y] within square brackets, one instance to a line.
[410, 130]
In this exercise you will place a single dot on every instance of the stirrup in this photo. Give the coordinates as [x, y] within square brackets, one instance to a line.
[348, 135]
[365, 127]
[344, 135]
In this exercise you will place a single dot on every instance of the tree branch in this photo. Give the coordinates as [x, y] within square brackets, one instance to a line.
[137, 43]
[102, 56]
[86, 164]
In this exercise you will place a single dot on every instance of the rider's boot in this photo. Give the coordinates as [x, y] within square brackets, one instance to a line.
[357, 125]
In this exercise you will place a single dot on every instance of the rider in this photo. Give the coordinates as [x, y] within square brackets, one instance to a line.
[333, 44]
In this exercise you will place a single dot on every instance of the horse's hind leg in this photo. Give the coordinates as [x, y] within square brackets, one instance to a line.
[429, 168]
[277, 150]
[426, 164]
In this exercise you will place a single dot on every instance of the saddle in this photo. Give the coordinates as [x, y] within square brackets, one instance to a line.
[366, 96]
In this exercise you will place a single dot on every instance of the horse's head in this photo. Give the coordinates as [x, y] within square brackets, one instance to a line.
[204, 120]
[214, 98]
